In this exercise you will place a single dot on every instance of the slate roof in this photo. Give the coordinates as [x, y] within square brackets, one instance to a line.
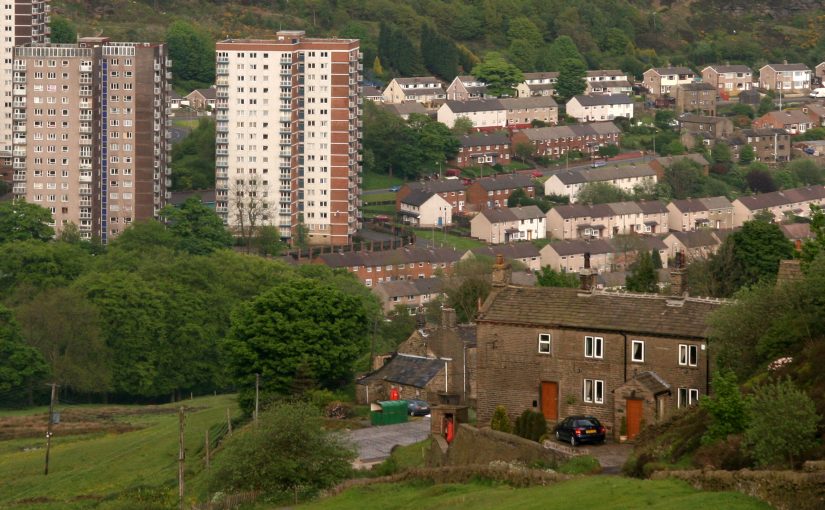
[605, 72]
[730, 69]
[667, 161]
[387, 257]
[603, 100]
[652, 206]
[788, 67]
[653, 382]
[696, 238]
[572, 210]
[401, 109]
[209, 93]
[795, 231]
[517, 103]
[207, 196]
[370, 91]
[508, 181]
[414, 287]
[777, 198]
[478, 139]
[606, 173]
[555, 307]
[697, 86]
[418, 80]
[408, 370]
[417, 197]
[702, 204]
[510, 251]
[475, 105]
[704, 119]
[570, 131]
[527, 212]
[441, 186]
[549, 75]
[663, 71]
[580, 246]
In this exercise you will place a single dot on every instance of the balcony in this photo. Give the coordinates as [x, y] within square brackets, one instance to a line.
[19, 78]
[222, 152]
[85, 141]
[19, 128]
[85, 129]
[156, 67]
[19, 190]
[85, 105]
[85, 178]
[85, 165]
[19, 153]
[19, 66]
[85, 68]
[85, 116]
[20, 91]
[85, 190]
[19, 165]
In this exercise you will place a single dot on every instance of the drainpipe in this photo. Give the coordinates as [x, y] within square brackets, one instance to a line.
[464, 383]
[446, 389]
[625, 354]
[707, 368]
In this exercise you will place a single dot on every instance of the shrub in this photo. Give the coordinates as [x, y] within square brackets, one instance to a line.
[581, 465]
[501, 421]
[531, 425]
[726, 408]
[782, 423]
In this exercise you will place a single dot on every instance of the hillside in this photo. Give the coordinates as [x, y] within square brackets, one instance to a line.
[607, 33]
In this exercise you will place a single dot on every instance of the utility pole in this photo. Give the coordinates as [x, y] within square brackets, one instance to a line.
[229, 421]
[257, 395]
[206, 448]
[49, 426]
[181, 458]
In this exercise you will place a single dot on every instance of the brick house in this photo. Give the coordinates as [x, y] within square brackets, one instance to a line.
[478, 149]
[538, 84]
[421, 89]
[524, 252]
[700, 213]
[577, 221]
[451, 190]
[696, 98]
[558, 140]
[782, 205]
[466, 88]
[414, 377]
[485, 114]
[600, 108]
[425, 209]
[410, 294]
[373, 94]
[522, 111]
[407, 263]
[768, 144]
[793, 121]
[493, 192]
[787, 77]
[704, 128]
[202, 99]
[496, 226]
[606, 255]
[609, 81]
[662, 163]
[816, 112]
[618, 357]
[661, 80]
[819, 74]
[728, 79]
[569, 182]
[695, 244]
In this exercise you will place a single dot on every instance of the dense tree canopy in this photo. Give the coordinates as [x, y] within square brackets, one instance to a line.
[21, 366]
[20, 220]
[500, 76]
[196, 227]
[193, 158]
[63, 31]
[193, 55]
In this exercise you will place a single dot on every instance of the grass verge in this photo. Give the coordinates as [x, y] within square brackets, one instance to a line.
[428, 236]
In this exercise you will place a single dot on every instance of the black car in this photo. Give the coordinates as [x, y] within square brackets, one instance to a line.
[418, 408]
[580, 429]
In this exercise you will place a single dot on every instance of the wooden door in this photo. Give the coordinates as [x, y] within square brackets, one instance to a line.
[634, 417]
[550, 400]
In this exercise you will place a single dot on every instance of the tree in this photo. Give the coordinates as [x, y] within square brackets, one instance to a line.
[468, 284]
[299, 322]
[500, 76]
[814, 245]
[548, 277]
[434, 140]
[249, 209]
[462, 126]
[439, 54]
[64, 326]
[771, 408]
[765, 105]
[657, 259]
[63, 31]
[746, 154]
[500, 420]
[760, 181]
[21, 366]
[643, 277]
[563, 48]
[721, 154]
[193, 54]
[397, 51]
[193, 158]
[197, 228]
[377, 68]
[600, 193]
[20, 220]
[727, 408]
[571, 80]
[523, 54]
[806, 171]
[268, 242]
[664, 118]
[685, 179]
[31, 266]
[286, 455]
[524, 150]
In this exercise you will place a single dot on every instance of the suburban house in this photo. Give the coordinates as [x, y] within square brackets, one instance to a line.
[506, 225]
[819, 74]
[661, 80]
[485, 114]
[596, 108]
[371, 93]
[793, 121]
[695, 244]
[816, 112]
[538, 84]
[422, 89]
[482, 149]
[578, 221]
[410, 294]
[696, 98]
[202, 99]
[700, 213]
[465, 88]
[605, 255]
[411, 262]
[451, 190]
[569, 182]
[626, 359]
[797, 232]
[175, 100]
[412, 377]
[404, 110]
[524, 252]
[704, 129]
[783, 205]
[768, 144]
[610, 81]
[728, 80]
[662, 163]
[425, 209]
[785, 77]
[522, 111]
[558, 140]
[493, 192]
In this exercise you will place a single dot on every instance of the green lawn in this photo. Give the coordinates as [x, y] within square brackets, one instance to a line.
[425, 236]
[85, 468]
[378, 197]
[186, 123]
[375, 210]
[380, 181]
[602, 492]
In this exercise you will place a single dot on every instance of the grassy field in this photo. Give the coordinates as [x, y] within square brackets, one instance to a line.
[600, 492]
[90, 467]
[380, 181]
[378, 197]
[426, 236]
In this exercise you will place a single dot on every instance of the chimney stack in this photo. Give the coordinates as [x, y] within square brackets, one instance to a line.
[448, 318]
[501, 272]
[420, 318]
[677, 275]
[587, 277]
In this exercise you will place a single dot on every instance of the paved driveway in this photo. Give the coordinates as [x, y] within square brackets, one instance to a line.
[375, 443]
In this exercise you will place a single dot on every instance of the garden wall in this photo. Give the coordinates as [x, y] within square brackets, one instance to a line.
[482, 446]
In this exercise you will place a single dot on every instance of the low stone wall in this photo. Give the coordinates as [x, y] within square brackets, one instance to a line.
[482, 446]
[784, 490]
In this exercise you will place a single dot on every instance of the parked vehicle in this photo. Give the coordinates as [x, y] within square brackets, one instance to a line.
[598, 163]
[536, 174]
[816, 93]
[394, 189]
[580, 429]
[418, 408]
[809, 151]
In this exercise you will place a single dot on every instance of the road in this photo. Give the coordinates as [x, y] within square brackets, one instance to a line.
[375, 443]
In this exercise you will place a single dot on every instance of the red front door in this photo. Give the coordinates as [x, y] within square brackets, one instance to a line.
[634, 417]
[550, 400]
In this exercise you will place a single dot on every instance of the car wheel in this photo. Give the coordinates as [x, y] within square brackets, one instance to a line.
[573, 441]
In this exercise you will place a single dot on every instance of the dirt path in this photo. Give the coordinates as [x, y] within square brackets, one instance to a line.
[611, 456]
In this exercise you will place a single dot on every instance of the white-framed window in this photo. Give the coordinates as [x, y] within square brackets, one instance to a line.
[637, 350]
[545, 343]
[687, 397]
[593, 391]
[593, 347]
[688, 355]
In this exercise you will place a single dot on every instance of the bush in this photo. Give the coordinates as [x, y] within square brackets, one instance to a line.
[581, 465]
[501, 421]
[726, 408]
[531, 425]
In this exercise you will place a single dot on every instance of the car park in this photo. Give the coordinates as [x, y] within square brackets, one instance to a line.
[580, 429]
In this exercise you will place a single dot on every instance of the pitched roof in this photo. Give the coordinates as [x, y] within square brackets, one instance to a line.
[580, 246]
[785, 197]
[527, 212]
[652, 382]
[696, 238]
[652, 206]
[404, 108]
[499, 215]
[370, 91]
[209, 93]
[786, 117]
[388, 257]
[477, 139]
[600, 311]
[417, 197]
[418, 80]
[572, 130]
[506, 181]
[697, 86]
[510, 251]
[730, 69]
[547, 75]
[516, 103]
[705, 119]
[701, 204]
[606, 173]
[603, 100]
[475, 105]
[671, 70]
[415, 287]
[788, 67]
[572, 210]
[797, 231]
[605, 72]
[408, 370]
[440, 186]
[667, 161]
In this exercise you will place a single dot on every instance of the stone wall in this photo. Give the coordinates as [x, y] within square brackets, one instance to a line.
[784, 490]
[482, 446]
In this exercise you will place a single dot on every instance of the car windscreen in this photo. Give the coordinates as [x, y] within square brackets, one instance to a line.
[586, 423]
